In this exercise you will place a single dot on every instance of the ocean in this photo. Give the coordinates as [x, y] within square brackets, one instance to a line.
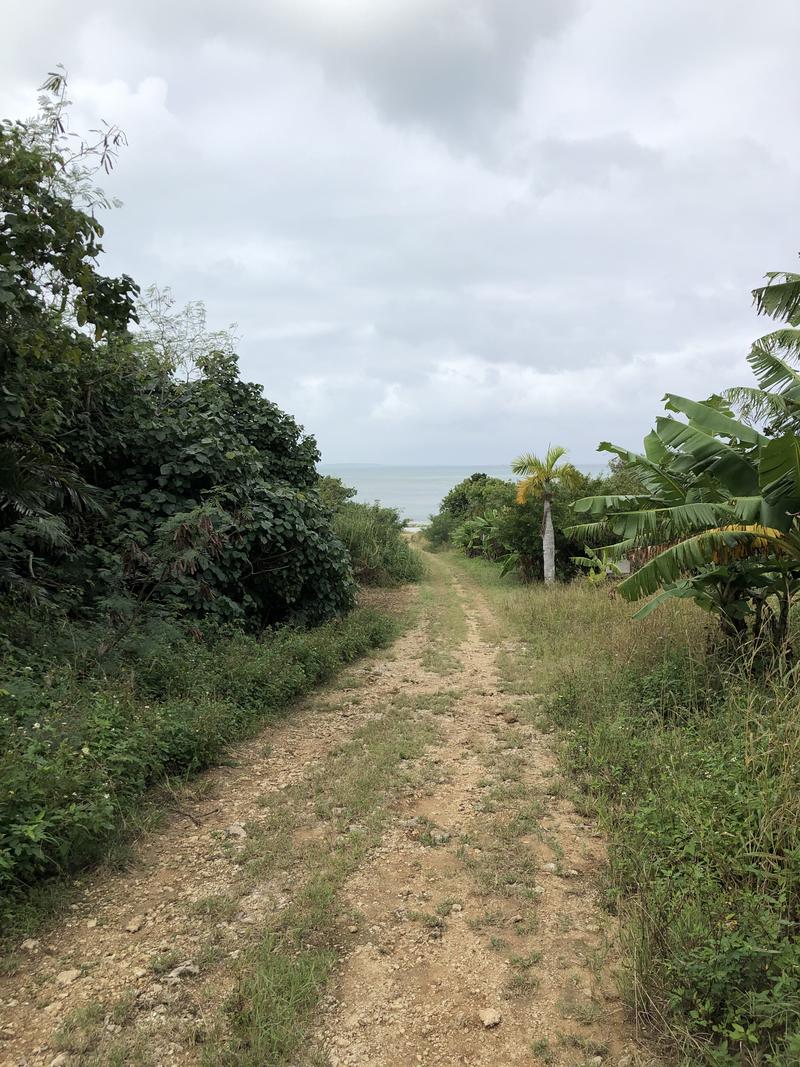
[416, 492]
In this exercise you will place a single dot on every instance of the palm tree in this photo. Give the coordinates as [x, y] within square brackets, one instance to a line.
[540, 477]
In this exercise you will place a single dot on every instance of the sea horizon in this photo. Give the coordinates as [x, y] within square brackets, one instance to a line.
[417, 489]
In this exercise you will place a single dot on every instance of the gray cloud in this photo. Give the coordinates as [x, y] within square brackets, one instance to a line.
[449, 231]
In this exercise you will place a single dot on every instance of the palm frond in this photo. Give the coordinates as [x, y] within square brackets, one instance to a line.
[526, 464]
[756, 405]
[769, 367]
[588, 531]
[553, 455]
[780, 297]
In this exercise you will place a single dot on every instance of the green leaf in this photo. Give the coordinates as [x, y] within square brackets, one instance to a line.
[779, 472]
[711, 420]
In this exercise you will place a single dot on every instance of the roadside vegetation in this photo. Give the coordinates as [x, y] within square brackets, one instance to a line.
[678, 721]
[372, 535]
[171, 571]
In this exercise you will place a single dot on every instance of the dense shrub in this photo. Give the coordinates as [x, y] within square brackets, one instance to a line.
[480, 516]
[519, 529]
[373, 536]
[473, 497]
[79, 745]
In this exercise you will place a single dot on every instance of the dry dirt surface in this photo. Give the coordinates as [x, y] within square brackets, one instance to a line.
[476, 935]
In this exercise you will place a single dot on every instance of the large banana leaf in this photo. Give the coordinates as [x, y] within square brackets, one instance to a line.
[589, 531]
[693, 554]
[779, 472]
[654, 448]
[735, 470]
[657, 478]
[757, 510]
[602, 505]
[709, 418]
[683, 590]
[659, 524]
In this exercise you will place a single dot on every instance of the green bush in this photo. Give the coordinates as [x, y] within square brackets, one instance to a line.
[473, 496]
[79, 745]
[373, 536]
[136, 466]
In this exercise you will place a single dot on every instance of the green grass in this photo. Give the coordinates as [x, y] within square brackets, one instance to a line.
[445, 623]
[82, 745]
[693, 768]
[373, 536]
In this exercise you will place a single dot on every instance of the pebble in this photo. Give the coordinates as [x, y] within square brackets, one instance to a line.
[91, 923]
[181, 971]
[490, 1018]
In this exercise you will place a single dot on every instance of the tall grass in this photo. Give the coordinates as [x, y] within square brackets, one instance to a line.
[693, 765]
[373, 535]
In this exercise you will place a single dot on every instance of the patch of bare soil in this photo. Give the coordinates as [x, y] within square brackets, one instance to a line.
[482, 940]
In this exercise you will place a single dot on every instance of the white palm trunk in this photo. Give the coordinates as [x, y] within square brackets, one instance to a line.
[548, 543]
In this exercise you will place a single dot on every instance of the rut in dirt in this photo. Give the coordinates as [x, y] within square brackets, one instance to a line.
[465, 918]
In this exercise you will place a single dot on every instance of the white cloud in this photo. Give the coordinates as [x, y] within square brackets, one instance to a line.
[447, 230]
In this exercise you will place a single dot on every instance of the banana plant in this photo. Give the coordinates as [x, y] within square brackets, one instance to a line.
[598, 569]
[722, 496]
[720, 509]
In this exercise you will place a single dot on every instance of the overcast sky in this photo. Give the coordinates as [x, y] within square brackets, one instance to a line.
[448, 230]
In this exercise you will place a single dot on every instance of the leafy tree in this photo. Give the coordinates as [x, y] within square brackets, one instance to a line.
[476, 494]
[519, 529]
[540, 477]
[333, 492]
[472, 497]
[54, 304]
[136, 468]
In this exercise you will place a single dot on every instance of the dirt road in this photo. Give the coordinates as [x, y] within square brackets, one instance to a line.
[394, 876]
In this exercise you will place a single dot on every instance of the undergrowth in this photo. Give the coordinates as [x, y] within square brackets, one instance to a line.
[693, 767]
[84, 737]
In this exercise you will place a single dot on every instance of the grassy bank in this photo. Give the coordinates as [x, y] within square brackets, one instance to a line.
[694, 769]
[84, 736]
